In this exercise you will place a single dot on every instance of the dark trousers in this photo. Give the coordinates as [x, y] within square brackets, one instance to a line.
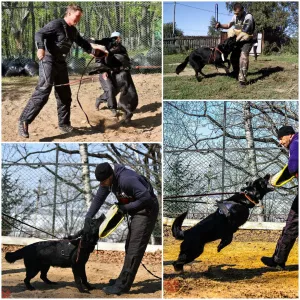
[110, 91]
[140, 230]
[288, 236]
[55, 73]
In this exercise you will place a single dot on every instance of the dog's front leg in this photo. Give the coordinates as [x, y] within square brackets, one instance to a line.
[77, 278]
[84, 279]
[225, 241]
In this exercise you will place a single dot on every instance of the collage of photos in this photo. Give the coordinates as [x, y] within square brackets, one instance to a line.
[149, 149]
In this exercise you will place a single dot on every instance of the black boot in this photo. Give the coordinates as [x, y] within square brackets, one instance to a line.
[269, 261]
[125, 280]
[23, 129]
[98, 102]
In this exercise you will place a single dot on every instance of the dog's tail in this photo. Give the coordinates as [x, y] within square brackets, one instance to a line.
[176, 227]
[182, 66]
[11, 257]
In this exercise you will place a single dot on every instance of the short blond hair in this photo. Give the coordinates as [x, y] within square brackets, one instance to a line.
[72, 8]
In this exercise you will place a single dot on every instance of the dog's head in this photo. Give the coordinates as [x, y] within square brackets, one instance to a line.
[93, 235]
[228, 45]
[258, 188]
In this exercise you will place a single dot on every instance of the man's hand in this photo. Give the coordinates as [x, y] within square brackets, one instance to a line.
[40, 54]
[105, 75]
[97, 49]
[217, 25]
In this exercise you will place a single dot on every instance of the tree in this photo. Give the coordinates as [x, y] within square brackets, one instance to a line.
[16, 202]
[212, 31]
[168, 30]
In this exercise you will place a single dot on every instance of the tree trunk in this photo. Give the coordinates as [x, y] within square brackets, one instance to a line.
[85, 173]
[33, 48]
[251, 151]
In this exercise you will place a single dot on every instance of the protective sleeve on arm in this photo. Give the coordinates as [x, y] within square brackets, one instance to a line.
[97, 202]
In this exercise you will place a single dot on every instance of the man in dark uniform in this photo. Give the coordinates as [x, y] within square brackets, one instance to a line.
[54, 42]
[244, 26]
[289, 139]
[106, 77]
[143, 209]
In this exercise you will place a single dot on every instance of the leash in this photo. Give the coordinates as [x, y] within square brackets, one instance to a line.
[12, 218]
[77, 96]
[199, 195]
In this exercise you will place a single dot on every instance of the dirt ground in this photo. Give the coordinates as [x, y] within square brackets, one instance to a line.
[102, 266]
[145, 124]
[235, 272]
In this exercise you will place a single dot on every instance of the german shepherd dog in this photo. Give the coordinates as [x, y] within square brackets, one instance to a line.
[73, 252]
[221, 224]
[206, 55]
[118, 63]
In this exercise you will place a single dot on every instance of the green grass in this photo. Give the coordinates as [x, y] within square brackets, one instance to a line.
[270, 77]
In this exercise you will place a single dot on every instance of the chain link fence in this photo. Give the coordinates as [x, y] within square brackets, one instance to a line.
[138, 22]
[51, 197]
[220, 170]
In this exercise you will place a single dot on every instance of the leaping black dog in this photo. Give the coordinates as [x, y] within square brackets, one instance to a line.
[221, 224]
[205, 55]
[73, 252]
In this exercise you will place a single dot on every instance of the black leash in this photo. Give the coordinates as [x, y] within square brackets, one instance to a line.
[77, 97]
[12, 218]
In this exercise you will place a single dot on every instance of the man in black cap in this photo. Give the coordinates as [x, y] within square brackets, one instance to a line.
[136, 198]
[54, 42]
[289, 139]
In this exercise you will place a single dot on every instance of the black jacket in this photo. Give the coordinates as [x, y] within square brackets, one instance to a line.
[57, 38]
[130, 183]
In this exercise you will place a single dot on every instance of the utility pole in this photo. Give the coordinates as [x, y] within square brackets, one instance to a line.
[224, 144]
[174, 23]
[55, 190]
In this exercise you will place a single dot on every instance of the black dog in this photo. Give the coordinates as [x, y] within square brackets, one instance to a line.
[118, 63]
[205, 55]
[222, 224]
[38, 257]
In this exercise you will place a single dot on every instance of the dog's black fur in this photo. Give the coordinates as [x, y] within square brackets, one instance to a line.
[118, 62]
[38, 257]
[221, 224]
[206, 55]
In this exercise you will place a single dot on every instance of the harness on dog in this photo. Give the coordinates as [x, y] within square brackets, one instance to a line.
[212, 57]
[282, 177]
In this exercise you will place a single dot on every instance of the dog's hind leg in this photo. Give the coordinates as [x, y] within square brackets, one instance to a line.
[44, 271]
[225, 241]
[31, 271]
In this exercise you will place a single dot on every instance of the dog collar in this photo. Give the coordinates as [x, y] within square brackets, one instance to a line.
[249, 198]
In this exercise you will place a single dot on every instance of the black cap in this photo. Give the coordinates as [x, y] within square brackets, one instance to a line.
[103, 171]
[285, 130]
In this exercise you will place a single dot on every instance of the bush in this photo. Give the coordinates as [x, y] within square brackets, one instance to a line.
[291, 47]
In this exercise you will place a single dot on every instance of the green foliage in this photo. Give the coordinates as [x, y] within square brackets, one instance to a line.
[168, 30]
[212, 31]
[291, 47]
[139, 23]
[14, 201]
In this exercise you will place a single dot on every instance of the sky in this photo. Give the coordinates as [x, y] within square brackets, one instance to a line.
[194, 17]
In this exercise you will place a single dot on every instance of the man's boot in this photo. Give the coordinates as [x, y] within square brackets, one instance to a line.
[23, 129]
[125, 280]
[99, 100]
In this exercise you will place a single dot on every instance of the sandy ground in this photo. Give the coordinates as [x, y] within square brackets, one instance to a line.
[235, 272]
[145, 125]
[102, 266]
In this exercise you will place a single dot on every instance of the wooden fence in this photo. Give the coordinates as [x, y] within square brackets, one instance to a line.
[192, 42]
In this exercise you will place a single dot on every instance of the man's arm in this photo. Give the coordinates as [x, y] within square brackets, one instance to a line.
[293, 159]
[97, 202]
[140, 193]
[223, 26]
